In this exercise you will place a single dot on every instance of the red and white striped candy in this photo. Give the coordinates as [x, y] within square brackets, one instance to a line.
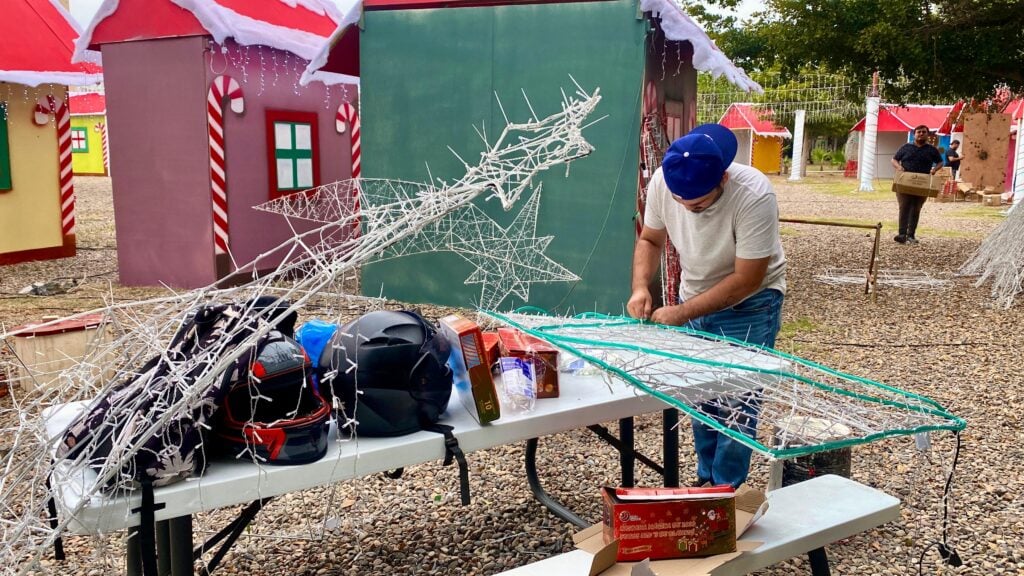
[347, 115]
[102, 129]
[45, 107]
[221, 88]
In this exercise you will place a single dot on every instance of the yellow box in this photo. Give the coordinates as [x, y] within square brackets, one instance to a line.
[917, 184]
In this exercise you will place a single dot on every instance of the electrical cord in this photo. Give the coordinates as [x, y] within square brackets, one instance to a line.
[948, 553]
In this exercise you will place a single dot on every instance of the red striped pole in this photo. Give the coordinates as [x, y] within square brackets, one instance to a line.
[222, 87]
[67, 190]
[102, 129]
[347, 115]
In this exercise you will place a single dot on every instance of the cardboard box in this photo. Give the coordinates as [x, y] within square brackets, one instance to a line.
[992, 199]
[750, 506]
[917, 184]
[669, 528]
[544, 357]
[492, 351]
[48, 348]
[471, 372]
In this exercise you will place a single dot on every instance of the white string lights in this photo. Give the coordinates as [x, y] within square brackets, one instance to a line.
[316, 265]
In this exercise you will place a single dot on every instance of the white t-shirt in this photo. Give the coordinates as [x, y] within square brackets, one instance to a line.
[743, 222]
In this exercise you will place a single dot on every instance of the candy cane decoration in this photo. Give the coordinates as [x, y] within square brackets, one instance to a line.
[102, 129]
[222, 86]
[45, 107]
[347, 114]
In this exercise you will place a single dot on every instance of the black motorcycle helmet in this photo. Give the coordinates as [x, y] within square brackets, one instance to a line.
[273, 414]
[389, 373]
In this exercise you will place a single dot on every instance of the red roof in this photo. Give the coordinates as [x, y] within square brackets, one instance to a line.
[906, 118]
[36, 43]
[297, 26]
[88, 104]
[746, 117]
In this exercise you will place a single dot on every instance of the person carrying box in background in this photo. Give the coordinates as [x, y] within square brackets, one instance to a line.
[723, 219]
[922, 158]
[953, 158]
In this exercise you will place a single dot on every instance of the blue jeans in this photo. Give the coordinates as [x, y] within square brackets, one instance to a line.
[720, 459]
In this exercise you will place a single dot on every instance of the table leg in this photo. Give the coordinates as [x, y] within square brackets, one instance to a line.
[133, 553]
[180, 529]
[543, 497]
[670, 446]
[819, 562]
[163, 548]
[627, 454]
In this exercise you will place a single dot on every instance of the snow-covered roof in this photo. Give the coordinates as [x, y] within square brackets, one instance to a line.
[36, 43]
[678, 26]
[297, 26]
[744, 116]
[675, 23]
[88, 104]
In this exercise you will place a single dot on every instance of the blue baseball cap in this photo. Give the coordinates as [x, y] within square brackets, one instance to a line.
[695, 163]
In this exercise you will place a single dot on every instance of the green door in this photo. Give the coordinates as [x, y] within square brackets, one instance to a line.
[430, 76]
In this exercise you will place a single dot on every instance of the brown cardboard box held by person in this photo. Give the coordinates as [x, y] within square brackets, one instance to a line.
[917, 184]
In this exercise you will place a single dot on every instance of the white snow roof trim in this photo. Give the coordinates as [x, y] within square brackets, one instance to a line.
[33, 78]
[223, 23]
[352, 14]
[706, 56]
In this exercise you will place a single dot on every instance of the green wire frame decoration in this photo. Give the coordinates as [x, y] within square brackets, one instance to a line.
[870, 410]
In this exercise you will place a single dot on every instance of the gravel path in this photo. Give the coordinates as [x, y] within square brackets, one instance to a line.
[948, 344]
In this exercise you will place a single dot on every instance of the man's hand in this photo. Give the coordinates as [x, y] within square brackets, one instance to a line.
[671, 315]
[639, 305]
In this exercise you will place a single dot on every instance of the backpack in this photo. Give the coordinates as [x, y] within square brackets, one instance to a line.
[107, 432]
[388, 375]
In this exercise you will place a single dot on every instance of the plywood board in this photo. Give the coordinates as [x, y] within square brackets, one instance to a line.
[985, 149]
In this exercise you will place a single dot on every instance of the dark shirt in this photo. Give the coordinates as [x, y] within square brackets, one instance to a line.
[953, 159]
[919, 159]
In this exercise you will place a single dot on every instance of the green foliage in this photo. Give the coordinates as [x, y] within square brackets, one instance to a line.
[925, 51]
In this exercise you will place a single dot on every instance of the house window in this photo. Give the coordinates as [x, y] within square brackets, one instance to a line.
[79, 140]
[292, 151]
[5, 150]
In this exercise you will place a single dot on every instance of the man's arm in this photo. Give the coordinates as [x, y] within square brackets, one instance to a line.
[896, 164]
[646, 255]
[745, 279]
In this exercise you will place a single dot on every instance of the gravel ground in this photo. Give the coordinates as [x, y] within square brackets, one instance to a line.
[948, 344]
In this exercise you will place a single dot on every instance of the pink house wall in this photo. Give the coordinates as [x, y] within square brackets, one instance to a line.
[156, 109]
[254, 232]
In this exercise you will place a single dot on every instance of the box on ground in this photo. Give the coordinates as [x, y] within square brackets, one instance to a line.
[992, 199]
[750, 505]
[471, 372]
[917, 184]
[544, 357]
[48, 349]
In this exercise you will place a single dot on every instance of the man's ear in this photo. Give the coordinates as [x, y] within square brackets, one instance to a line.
[725, 178]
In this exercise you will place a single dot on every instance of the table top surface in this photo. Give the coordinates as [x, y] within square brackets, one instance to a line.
[583, 400]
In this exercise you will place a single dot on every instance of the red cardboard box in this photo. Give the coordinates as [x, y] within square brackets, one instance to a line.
[491, 349]
[471, 372]
[544, 357]
[665, 527]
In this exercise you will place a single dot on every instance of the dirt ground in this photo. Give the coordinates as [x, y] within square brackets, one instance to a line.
[948, 343]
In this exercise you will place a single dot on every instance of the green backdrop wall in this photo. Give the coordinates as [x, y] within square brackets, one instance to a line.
[428, 76]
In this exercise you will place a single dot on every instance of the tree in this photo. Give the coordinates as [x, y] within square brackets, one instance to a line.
[924, 51]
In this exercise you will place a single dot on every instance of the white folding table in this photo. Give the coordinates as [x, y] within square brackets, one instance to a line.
[584, 402]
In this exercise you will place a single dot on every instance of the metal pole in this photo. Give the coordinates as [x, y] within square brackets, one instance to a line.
[871, 286]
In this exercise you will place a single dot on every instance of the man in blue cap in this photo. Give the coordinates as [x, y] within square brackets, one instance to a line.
[723, 220]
